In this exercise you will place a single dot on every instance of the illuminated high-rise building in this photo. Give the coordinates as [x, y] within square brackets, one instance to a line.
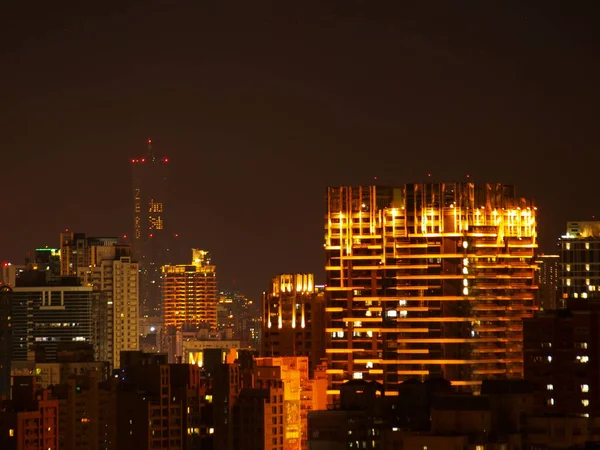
[428, 280]
[106, 265]
[293, 318]
[150, 237]
[579, 267]
[190, 296]
[117, 278]
[547, 281]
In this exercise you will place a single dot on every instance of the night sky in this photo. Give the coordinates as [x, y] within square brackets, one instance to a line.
[261, 105]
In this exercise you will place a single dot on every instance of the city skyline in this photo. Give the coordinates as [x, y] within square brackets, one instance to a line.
[503, 93]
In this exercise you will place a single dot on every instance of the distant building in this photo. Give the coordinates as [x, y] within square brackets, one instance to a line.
[45, 316]
[190, 295]
[151, 235]
[148, 416]
[30, 419]
[6, 339]
[48, 259]
[579, 269]
[428, 280]
[562, 355]
[236, 314]
[116, 277]
[547, 279]
[293, 318]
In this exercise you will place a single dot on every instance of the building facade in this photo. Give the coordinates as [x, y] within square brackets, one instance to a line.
[579, 267]
[116, 277]
[150, 236]
[293, 318]
[44, 317]
[428, 280]
[5, 339]
[547, 279]
[562, 355]
[189, 293]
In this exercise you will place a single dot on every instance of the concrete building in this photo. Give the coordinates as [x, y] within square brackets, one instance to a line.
[112, 273]
[46, 316]
[579, 267]
[29, 421]
[562, 355]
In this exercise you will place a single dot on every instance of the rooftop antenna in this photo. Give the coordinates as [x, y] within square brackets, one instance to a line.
[150, 152]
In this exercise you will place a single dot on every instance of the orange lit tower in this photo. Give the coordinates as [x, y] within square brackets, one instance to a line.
[293, 318]
[151, 240]
[190, 296]
[428, 280]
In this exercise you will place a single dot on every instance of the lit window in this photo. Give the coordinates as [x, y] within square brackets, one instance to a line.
[587, 245]
[587, 267]
[585, 388]
[403, 313]
[568, 246]
[369, 365]
[11, 432]
[391, 313]
[549, 358]
[402, 302]
[465, 282]
[568, 282]
[583, 359]
[584, 295]
[551, 401]
[465, 262]
[465, 244]
[466, 291]
[585, 402]
[357, 375]
[549, 387]
[465, 270]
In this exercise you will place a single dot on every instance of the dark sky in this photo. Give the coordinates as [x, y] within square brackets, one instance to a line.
[260, 105]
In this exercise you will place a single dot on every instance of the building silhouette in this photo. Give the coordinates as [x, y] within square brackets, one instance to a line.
[151, 238]
[547, 279]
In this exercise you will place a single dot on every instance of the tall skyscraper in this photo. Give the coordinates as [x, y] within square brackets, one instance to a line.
[579, 269]
[106, 265]
[428, 280]
[151, 237]
[190, 296]
[293, 318]
[117, 278]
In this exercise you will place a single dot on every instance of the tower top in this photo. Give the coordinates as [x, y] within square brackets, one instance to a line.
[150, 152]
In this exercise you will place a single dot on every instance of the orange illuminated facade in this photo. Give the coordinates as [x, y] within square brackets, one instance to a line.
[428, 280]
[189, 293]
[293, 318]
